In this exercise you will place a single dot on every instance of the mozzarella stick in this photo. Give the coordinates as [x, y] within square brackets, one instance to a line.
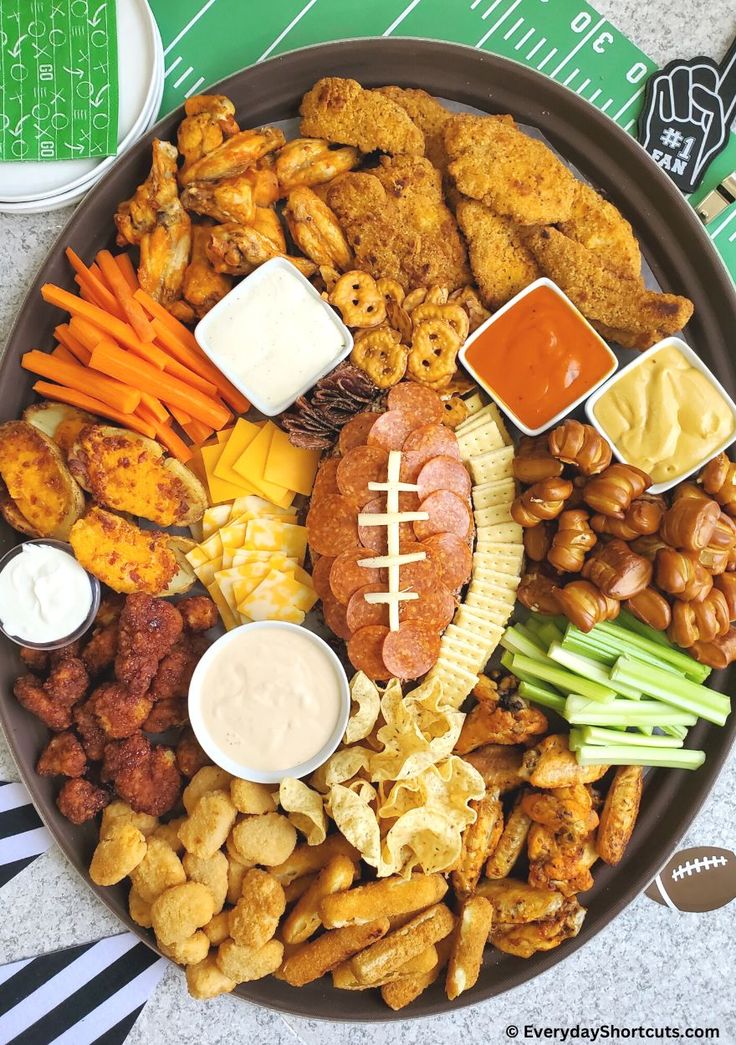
[469, 940]
[405, 989]
[304, 920]
[344, 979]
[389, 896]
[312, 960]
[306, 859]
[387, 955]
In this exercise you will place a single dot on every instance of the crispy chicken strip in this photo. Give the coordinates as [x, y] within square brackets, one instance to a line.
[203, 287]
[238, 249]
[209, 121]
[513, 174]
[599, 226]
[234, 156]
[429, 116]
[398, 225]
[605, 297]
[501, 263]
[342, 112]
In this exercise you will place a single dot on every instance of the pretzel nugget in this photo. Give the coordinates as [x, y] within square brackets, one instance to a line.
[266, 839]
[204, 980]
[210, 871]
[159, 869]
[188, 952]
[358, 299]
[179, 911]
[251, 798]
[389, 896]
[389, 954]
[315, 959]
[344, 979]
[379, 354]
[466, 956]
[117, 854]
[306, 859]
[208, 778]
[305, 920]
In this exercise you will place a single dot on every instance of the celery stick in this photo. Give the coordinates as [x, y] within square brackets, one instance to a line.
[675, 731]
[564, 680]
[507, 661]
[627, 639]
[530, 635]
[627, 620]
[590, 670]
[547, 698]
[516, 642]
[596, 653]
[680, 692]
[575, 738]
[534, 624]
[622, 713]
[601, 735]
[549, 633]
[613, 648]
[630, 755]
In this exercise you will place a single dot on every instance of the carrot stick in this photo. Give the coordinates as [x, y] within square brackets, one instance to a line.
[85, 277]
[157, 311]
[197, 432]
[176, 446]
[98, 296]
[86, 293]
[68, 340]
[201, 365]
[119, 396]
[108, 324]
[131, 370]
[180, 416]
[64, 355]
[155, 408]
[132, 309]
[125, 265]
[176, 369]
[74, 398]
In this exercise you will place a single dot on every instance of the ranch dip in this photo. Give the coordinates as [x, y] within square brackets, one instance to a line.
[45, 594]
[273, 336]
[270, 698]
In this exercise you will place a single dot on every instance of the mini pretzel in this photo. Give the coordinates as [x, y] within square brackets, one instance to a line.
[469, 300]
[391, 290]
[437, 295]
[357, 297]
[414, 298]
[454, 411]
[453, 314]
[400, 320]
[434, 348]
[329, 276]
[380, 355]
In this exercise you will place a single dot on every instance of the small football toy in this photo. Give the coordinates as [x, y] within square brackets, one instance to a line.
[696, 880]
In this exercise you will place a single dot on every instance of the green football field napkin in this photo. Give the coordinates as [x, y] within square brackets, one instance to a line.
[58, 79]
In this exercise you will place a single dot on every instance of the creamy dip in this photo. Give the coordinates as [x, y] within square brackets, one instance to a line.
[665, 415]
[273, 337]
[45, 594]
[271, 698]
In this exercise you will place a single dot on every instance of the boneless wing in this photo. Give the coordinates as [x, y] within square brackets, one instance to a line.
[501, 263]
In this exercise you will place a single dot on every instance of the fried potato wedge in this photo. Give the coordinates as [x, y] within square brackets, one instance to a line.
[619, 813]
[37, 479]
[122, 555]
[129, 473]
[58, 421]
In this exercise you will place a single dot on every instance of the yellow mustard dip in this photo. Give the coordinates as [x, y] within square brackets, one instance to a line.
[664, 415]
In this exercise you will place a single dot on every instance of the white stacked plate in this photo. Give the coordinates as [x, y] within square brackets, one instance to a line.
[27, 188]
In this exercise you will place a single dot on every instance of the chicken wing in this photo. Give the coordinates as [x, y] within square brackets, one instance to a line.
[203, 287]
[234, 156]
[343, 112]
[525, 940]
[398, 225]
[209, 121]
[599, 226]
[609, 300]
[315, 230]
[230, 199]
[429, 116]
[138, 216]
[311, 161]
[513, 174]
[238, 249]
[501, 263]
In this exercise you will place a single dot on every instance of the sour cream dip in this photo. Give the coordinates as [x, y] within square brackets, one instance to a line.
[45, 595]
[273, 336]
[269, 699]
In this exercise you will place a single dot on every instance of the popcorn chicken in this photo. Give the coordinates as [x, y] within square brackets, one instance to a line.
[190, 951]
[217, 928]
[117, 854]
[247, 963]
[178, 912]
[235, 874]
[139, 909]
[207, 827]
[251, 798]
[159, 869]
[119, 810]
[169, 833]
[255, 917]
[204, 980]
[267, 839]
[209, 778]
[210, 871]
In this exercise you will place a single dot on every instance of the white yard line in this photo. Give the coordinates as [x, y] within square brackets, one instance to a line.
[490, 10]
[549, 58]
[631, 101]
[192, 21]
[595, 95]
[498, 23]
[726, 221]
[195, 86]
[583, 85]
[608, 104]
[577, 47]
[397, 21]
[570, 78]
[537, 47]
[525, 37]
[284, 32]
[474, 5]
[172, 66]
[510, 32]
[182, 78]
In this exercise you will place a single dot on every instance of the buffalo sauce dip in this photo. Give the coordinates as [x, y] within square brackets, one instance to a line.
[267, 698]
[538, 358]
[665, 413]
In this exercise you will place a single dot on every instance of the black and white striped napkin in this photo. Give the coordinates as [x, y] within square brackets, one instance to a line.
[22, 834]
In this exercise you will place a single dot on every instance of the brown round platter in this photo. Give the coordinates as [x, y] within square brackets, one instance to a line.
[680, 254]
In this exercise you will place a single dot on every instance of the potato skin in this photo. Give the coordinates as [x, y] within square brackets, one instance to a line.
[124, 557]
[38, 481]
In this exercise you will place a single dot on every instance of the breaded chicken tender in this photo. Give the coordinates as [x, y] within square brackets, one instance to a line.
[62, 756]
[251, 798]
[118, 811]
[117, 854]
[599, 226]
[198, 612]
[501, 263]
[429, 116]
[341, 111]
[169, 833]
[190, 951]
[79, 800]
[144, 775]
[210, 871]
[513, 174]
[207, 827]
[148, 629]
[204, 980]
[255, 917]
[139, 910]
[208, 778]
[398, 224]
[605, 298]
[119, 712]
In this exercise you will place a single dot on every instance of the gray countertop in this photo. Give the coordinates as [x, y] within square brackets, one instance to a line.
[652, 967]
